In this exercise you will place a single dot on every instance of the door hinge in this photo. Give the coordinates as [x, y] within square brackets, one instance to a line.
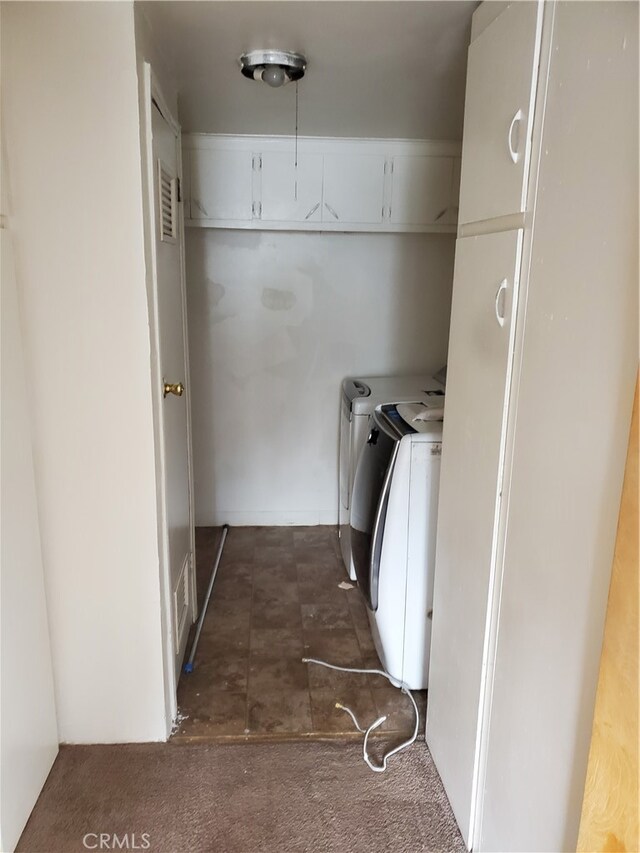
[179, 189]
[257, 162]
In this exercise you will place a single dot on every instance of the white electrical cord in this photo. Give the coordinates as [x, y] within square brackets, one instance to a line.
[377, 768]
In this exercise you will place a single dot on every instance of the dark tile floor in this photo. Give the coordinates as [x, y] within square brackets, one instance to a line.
[276, 599]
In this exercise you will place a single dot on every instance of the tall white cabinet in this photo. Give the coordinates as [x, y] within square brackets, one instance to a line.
[481, 347]
[544, 322]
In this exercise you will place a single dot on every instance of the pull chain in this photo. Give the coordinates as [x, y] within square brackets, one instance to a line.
[296, 151]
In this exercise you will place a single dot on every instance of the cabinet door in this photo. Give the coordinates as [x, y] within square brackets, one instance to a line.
[485, 274]
[353, 188]
[221, 184]
[422, 191]
[501, 73]
[291, 194]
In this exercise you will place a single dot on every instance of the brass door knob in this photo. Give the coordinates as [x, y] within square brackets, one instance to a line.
[176, 388]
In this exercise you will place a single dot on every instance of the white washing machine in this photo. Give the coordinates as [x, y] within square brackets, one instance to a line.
[393, 533]
[359, 399]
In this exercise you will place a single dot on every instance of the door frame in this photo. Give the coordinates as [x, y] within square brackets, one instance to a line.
[151, 94]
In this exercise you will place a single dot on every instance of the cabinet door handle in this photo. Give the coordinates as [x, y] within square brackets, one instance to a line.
[515, 155]
[313, 210]
[331, 210]
[500, 302]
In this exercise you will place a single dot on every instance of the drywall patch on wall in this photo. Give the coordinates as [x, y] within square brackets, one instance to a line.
[217, 291]
[278, 300]
[300, 312]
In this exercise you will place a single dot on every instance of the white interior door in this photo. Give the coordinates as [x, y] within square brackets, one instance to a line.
[291, 193]
[173, 362]
[485, 275]
[498, 116]
[29, 734]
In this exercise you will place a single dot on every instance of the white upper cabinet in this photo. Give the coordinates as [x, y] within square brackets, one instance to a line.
[501, 78]
[353, 188]
[423, 191]
[221, 184]
[290, 192]
[331, 185]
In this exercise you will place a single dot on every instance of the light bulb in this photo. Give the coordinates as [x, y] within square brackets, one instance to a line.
[274, 75]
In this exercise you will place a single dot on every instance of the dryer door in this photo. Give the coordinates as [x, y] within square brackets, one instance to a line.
[345, 456]
[369, 506]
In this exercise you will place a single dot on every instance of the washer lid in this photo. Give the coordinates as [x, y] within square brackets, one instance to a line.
[395, 389]
[423, 416]
[388, 418]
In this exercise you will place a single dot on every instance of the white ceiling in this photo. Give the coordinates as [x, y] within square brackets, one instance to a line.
[389, 68]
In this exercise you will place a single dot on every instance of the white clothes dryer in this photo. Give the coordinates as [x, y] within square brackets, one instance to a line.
[393, 531]
[359, 399]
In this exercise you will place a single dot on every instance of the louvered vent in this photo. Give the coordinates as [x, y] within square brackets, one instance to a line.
[181, 601]
[168, 187]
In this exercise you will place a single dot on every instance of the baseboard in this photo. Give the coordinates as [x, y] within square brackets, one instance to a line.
[269, 518]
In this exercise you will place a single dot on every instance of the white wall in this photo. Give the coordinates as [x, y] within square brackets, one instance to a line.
[276, 321]
[70, 113]
[149, 50]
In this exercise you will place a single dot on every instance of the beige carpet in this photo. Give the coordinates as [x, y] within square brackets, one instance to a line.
[242, 798]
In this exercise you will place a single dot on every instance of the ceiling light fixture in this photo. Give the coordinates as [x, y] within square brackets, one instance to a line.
[274, 67]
